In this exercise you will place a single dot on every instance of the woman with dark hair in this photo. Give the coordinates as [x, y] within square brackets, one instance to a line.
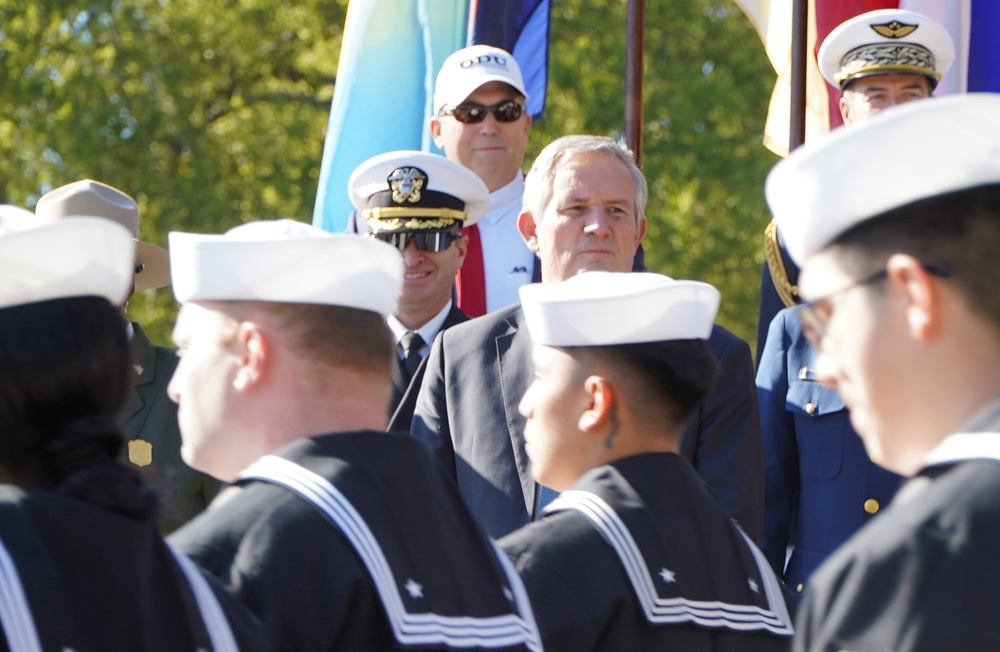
[82, 564]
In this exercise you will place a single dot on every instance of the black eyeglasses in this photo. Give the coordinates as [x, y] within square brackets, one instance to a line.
[427, 241]
[814, 326]
[471, 113]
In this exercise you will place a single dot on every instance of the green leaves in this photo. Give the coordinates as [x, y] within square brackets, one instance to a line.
[212, 114]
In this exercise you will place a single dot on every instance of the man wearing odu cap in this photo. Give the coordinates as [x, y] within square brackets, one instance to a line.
[819, 484]
[480, 122]
[634, 554]
[336, 534]
[878, 60]
[150, 417]
[419, 203]
[901, 274]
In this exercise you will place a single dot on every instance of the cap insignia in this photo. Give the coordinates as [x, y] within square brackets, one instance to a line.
[894, 29]
[406, 184]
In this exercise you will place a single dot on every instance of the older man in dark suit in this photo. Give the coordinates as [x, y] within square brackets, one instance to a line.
[584, 206]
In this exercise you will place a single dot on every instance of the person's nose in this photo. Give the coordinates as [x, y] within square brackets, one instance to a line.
[411, 255]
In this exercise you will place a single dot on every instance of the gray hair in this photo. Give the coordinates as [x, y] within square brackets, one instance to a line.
[538, 181]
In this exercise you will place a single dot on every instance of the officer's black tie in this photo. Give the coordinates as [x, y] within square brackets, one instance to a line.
[412, 344]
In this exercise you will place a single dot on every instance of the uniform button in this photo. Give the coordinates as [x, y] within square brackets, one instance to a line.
[810, 407]
[798, 588]
[871, 505]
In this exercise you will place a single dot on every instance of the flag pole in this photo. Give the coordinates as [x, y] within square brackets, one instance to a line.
[635, 28]
[800, 38]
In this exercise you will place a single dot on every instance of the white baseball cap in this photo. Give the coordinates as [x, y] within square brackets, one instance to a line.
[286, 261]
[469, 68]
[607, 308]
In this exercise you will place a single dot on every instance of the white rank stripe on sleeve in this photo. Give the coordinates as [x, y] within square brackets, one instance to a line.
[408, 628]
[743, 617]
[15, 614]
[216, 623]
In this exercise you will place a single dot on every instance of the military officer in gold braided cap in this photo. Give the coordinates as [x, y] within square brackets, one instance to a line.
[419, 203]
[878, 60]
[819, 484]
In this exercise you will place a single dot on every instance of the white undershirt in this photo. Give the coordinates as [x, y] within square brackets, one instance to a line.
[507, 262]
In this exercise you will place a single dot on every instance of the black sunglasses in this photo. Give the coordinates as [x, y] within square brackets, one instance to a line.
[471, 113]
[427, 241]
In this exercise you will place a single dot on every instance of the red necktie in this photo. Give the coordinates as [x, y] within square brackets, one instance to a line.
[470, 281]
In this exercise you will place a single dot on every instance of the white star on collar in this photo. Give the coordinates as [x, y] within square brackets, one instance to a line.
[668, 575]
[415, 590]
[508, 594]
[753, 586]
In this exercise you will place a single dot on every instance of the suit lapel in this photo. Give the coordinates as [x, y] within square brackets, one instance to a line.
[514, 361]
[143, 370]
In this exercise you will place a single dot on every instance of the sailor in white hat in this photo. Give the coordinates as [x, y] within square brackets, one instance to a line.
[419, 203]
[338, 534]
[883, 58]
[878, 60]
[150, 417]
[65, 365]
[635, 553]
[899, 269]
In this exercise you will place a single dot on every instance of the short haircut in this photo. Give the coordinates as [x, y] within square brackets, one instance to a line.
[334, 336]
[664, 380]
[538, 182]
[959, 231]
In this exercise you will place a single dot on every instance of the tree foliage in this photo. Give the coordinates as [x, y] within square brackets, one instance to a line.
[212, 114]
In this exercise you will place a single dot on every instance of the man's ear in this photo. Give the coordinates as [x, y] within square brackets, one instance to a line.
[462, 248]
[845, 110]
[601, 398]
[526, 225]
[434, 124]
[917, 286]
[253, 350]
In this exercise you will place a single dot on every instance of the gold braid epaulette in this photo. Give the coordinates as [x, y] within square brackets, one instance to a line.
[779, 275]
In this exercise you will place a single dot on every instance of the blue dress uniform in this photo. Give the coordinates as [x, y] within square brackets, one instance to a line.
[820, 486]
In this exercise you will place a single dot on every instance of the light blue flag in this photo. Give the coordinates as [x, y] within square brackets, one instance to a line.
[391, 53]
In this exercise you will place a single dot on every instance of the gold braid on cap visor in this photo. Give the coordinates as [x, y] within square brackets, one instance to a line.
[887, 59]
[398, 218]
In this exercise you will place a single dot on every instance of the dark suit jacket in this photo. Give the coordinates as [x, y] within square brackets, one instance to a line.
[467, 413]
[153, 438]
[819, 483]
[404, 394]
